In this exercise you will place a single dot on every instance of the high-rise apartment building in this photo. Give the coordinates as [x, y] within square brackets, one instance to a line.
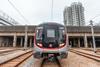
[74, 15]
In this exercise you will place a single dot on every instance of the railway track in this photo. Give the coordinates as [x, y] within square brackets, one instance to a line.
[90, 56]
[46, 63]
[16, 61]
[9, 48]
[1, 48]
[2, 53]
[98, 50]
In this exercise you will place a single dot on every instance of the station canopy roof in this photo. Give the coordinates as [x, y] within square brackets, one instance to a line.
[70, 29]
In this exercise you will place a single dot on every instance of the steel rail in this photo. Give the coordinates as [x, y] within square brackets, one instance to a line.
[6, 51]
[90, 56]
[16, 61]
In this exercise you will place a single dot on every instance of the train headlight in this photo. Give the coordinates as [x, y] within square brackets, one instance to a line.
[61, 45]
[39, 44]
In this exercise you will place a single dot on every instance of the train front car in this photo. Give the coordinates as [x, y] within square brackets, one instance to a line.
[50, 40]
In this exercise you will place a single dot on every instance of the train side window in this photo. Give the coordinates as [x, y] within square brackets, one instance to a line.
[39, 33]
[62, 35]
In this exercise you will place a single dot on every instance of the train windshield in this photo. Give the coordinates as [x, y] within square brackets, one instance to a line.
[50, 33]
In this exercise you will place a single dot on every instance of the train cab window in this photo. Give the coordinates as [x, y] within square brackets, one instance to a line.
[62, 35]
[50, 33]
[39, 32]
[61, 31]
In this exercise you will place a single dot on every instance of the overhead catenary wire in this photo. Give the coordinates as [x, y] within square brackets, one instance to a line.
[96, 16]
[26, 27]
[18, 11]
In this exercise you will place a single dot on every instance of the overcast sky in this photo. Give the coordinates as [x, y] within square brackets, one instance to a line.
[38, 11]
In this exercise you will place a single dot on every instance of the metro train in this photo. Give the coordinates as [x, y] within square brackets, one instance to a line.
[50, 40]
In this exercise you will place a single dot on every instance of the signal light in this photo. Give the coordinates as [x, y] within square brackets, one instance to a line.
[61, 45]
[39, 44]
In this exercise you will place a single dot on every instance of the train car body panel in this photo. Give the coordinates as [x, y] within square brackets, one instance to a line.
[51, 50]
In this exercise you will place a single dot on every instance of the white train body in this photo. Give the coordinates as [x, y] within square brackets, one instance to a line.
[50, 40]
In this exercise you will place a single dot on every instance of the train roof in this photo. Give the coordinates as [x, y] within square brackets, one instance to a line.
[51, 23]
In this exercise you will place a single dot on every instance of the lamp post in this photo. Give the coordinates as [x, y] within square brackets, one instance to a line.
[93, 38]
